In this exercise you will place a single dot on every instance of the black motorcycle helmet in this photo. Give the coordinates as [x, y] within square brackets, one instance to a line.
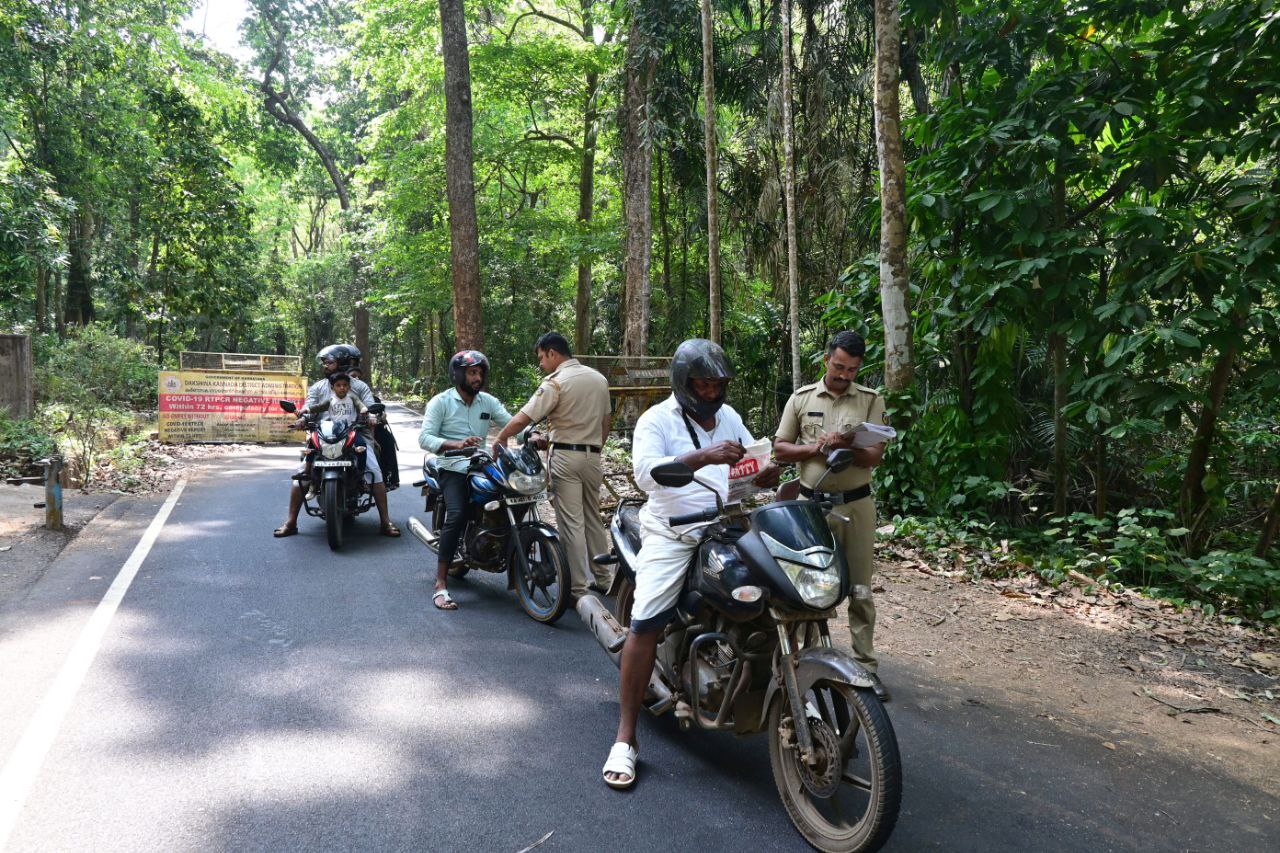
[461, 361]
[344, 354]
[698, 358]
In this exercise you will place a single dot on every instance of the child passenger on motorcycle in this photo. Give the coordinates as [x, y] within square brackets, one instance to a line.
[344, 406]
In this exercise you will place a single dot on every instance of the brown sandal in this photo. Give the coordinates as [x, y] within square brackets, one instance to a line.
[285, 530]
[390, 529]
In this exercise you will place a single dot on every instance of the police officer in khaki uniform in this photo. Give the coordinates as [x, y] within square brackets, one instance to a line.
[575, 401]
[811, 427]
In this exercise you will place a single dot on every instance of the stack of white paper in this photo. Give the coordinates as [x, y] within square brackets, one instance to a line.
[867, 434]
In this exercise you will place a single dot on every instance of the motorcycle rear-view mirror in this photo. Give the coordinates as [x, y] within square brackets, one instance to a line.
[673, 474]
[377, 408]
[289, 406]
[838, 460]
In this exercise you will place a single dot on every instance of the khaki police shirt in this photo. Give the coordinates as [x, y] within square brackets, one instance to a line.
[812, 411]
[574, 399]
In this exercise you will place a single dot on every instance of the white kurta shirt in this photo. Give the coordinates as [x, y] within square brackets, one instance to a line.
[660, 436]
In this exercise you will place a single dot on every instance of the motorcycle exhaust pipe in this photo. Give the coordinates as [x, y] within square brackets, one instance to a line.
[609, 633]
[418, 529]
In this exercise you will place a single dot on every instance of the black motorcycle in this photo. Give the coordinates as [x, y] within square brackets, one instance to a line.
[337, 479]
[750, 651]
[503, 532]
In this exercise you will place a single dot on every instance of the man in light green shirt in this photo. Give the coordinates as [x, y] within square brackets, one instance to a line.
[455, 419]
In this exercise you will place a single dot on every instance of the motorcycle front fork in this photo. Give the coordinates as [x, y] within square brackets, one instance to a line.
[794, 636]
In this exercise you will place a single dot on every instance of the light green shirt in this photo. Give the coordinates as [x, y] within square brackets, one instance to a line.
[449, 418]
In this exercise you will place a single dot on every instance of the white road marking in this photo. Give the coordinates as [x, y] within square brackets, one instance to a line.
[20, 772]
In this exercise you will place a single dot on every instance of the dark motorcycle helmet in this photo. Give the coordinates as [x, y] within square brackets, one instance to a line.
[461, 361]
[698, 358]
[345, 355]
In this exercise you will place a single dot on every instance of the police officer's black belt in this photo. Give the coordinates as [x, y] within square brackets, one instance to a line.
[585, 448]
[841, 497]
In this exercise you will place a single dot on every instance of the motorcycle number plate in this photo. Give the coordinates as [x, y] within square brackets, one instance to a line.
[526, 499]
[333, 463]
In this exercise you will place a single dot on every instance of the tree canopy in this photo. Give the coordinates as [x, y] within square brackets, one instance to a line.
[1090, 221]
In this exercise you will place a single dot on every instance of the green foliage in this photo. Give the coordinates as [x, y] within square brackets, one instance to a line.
[23, 442]
[95, 368]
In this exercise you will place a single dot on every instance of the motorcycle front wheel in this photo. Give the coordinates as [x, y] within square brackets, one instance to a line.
[847, 798]
[334, 509]
[544, 588]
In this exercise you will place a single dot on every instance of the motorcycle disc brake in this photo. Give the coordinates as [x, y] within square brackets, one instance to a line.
[821, 777]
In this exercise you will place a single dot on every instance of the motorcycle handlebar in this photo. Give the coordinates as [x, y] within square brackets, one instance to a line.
[710, 514]
[464, 451]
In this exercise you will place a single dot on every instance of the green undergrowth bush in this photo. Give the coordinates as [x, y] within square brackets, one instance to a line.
[95, 367]
[96, 391]
[1136, 549]
[23, 442]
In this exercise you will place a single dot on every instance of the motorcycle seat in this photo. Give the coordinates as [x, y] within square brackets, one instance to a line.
[432, 468]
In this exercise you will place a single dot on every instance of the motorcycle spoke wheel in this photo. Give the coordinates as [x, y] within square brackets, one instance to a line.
[847, 799]
[544, 589]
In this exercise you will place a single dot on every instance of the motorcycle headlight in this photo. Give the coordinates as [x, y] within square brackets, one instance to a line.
[818, 588]
[331, 451]
[814, 572]
[526, 484]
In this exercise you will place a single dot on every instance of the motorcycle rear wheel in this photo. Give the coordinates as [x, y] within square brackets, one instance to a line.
[625, 599]
[861, 808]
[334, 509]
[542, 599]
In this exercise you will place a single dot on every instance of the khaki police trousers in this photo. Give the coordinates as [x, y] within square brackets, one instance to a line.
[857, 537]
[575, 494]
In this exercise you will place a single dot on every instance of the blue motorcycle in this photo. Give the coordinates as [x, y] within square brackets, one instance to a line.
[503, 532]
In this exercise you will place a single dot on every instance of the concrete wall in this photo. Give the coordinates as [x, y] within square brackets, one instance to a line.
[17, 394]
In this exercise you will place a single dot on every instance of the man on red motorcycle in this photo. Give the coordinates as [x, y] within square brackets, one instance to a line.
[342, 401]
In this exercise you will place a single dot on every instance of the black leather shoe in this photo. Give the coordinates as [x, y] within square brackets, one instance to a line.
[882, 692]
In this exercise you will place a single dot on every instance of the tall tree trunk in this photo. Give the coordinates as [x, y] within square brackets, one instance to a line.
[1193, 498]
[911, 70]
[1270, 527]
[1058, 358]
[79, 307]
[586, 206]
[464, 236]
[640, 65]
[789, 195]
[709, 144]
[665, 229]
[59, 307]
[898, 358]
[1058, 355]
[42, 298]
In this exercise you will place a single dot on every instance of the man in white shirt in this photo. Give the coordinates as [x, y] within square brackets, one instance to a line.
[693, 426]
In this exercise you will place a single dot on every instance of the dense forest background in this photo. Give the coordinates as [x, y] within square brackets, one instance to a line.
[1091, 228]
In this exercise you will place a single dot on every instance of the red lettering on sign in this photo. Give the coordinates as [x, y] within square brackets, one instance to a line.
[746, 468]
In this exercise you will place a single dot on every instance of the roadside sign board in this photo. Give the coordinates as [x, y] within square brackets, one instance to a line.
[227, 406]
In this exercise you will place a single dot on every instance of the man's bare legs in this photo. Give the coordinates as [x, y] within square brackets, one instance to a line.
[638, 656]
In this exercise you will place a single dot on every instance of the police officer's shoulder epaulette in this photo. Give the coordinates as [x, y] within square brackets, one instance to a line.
[864, 389]
[805, 389]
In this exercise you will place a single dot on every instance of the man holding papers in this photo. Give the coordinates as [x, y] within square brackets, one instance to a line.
[835, 413]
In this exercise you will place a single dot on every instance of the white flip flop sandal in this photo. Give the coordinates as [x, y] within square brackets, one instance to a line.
[622, 760]
[443, 601]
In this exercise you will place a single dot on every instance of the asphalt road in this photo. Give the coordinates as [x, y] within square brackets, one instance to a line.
[261, 694]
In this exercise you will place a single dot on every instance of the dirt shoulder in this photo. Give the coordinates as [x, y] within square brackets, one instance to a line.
[1132, 672]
